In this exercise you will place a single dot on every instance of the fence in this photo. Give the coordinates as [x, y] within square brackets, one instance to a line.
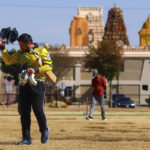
[6, 99]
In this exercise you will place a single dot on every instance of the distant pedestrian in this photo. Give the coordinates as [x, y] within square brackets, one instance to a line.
[8, 86]
[98, 84]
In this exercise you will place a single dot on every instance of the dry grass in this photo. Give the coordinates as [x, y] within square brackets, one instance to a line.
[73, 132]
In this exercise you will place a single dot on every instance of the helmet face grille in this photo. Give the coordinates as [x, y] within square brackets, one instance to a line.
[10, 34]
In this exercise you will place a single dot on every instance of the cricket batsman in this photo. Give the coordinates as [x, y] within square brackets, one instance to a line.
[31, 86]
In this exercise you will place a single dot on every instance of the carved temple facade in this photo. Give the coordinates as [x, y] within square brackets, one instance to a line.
[115, 29]
[87, 28]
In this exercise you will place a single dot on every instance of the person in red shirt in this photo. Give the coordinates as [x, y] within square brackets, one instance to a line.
[98, 84]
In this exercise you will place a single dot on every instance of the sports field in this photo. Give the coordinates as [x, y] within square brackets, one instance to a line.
[124, 129]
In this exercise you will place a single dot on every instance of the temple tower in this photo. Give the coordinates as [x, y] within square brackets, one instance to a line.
[115, 29]
[93, 16]
[95, 22]
[79, 31]
[145, 33]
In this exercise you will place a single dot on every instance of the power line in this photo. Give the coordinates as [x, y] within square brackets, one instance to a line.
[62, 7]
[37, 6]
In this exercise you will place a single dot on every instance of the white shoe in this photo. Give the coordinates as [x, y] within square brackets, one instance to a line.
[89, 118]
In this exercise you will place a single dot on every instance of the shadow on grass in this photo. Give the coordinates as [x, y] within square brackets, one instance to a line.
[102, 139]
[61, 119]
[8, 143]
[124, 123]
[105, 129]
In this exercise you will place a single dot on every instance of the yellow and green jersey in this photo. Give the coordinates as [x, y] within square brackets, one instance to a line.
[28, 59]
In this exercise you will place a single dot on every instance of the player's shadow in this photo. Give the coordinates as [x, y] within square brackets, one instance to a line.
[8, 143]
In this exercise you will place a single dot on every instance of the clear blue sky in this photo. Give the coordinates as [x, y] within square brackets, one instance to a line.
[49, 20]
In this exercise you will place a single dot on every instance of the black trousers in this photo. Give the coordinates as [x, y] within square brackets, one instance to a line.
[32, 97]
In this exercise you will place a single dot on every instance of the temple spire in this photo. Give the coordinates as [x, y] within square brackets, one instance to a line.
[79, 11]
[115, 6]
[115, 29]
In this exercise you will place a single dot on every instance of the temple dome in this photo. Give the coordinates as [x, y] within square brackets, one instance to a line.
[147, 23]
[145, 33]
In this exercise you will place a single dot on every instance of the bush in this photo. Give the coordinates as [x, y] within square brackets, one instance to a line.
[73, 98]
[60, 104]
[147, 101]
[68, 102]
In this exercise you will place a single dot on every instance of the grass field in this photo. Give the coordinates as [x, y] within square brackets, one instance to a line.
[124, 129]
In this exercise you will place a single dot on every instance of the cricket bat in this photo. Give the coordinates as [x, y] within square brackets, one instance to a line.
[51, 76]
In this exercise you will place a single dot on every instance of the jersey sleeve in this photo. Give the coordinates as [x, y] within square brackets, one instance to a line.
[9, 59]
[46, 61]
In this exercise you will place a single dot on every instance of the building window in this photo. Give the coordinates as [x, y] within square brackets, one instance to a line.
[145, 87]
[122, 68]
[68, 91]
[79, 31]
[113, 16]
[91, 36]
[91, 31]
[111, 28]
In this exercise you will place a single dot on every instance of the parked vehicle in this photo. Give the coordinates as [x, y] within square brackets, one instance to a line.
[116, 98]
[125, 102]
[120, 100]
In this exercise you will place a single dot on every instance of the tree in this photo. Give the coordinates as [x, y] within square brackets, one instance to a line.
[107, 59]
[12, 70]
[62, 63]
